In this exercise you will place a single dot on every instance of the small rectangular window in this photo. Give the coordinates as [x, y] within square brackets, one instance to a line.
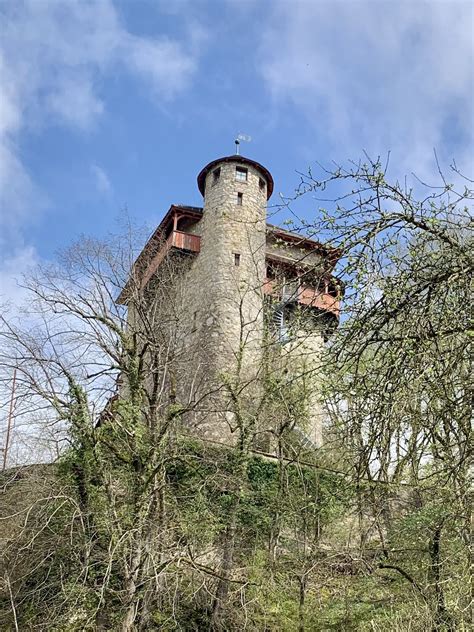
[216, 174]
[241, 174]
[237, 259]
[261, 184]
[240, 199]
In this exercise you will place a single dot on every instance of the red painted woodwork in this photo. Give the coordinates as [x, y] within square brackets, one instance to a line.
[176, 239]
[307, 295]
[185, 241]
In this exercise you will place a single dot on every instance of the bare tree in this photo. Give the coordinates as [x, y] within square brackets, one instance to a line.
[400, 389]
[106, 381]
[147, 523]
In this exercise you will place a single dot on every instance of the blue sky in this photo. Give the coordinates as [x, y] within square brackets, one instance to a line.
[113, 104]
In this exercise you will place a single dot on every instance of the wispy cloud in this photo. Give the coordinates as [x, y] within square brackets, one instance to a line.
[12, 269]
[376, 75]
[102, 180]
[53, 56]
[161, 62]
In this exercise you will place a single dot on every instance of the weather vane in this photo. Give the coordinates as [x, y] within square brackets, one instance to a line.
[240, 137]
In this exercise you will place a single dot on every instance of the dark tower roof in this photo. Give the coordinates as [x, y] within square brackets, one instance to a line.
[201, 179]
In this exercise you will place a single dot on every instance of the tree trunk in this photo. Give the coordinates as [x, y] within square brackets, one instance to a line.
[222, 589]
[442, 617]
[301, 603]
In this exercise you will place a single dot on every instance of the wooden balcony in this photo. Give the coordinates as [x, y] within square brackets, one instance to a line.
[321, 300]
[304, 295]
[176, 239]
[185, 241]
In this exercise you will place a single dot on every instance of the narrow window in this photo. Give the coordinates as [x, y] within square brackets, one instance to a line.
[261, 184]
[216, 174]
[241, 174]
[194, 321]
[237, 259]
[240, 199]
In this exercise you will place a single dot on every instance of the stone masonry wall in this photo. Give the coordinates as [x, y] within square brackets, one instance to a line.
[225, 300]
[304, 358]
[217, 311]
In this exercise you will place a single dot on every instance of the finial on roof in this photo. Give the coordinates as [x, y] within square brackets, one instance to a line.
[240, 137]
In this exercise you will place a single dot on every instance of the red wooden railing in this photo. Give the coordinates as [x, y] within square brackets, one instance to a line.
[320, 299]
[185, 241]
[307, 295]
[176, 239]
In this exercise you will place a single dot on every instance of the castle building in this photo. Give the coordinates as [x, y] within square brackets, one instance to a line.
[252, 296]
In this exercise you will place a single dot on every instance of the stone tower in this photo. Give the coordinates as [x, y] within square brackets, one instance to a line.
[229, 274]
[232, 255]
[249, 297]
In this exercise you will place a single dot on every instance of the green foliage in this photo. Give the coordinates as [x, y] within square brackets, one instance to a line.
[137, 528]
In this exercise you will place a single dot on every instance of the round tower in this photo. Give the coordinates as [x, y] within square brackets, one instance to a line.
[235, 191]
[237, 161]
[231, 267]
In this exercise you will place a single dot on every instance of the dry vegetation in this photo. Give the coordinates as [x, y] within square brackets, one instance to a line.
[136, 527]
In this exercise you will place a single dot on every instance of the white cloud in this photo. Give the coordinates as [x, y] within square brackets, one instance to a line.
[12, 269]
[102, 181]
[377, 75]
[20, 198]
[161, 63]
[73, 99]
[53, 56]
